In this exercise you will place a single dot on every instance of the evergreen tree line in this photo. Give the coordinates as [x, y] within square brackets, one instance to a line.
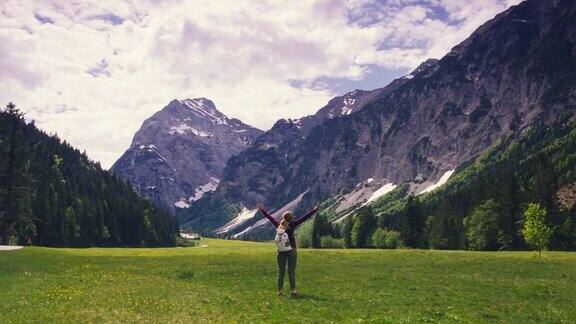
[51, 194]
[482, 207]
[359, 230]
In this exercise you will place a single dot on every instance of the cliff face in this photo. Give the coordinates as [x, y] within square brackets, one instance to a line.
[250, 175]
[514, 71]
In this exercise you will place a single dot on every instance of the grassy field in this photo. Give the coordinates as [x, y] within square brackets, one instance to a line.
[235, 281]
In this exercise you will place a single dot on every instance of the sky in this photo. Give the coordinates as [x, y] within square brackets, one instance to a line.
[91, 71]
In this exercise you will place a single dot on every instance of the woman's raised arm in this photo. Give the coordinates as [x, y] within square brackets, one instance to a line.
[267, 215]
[306, 216]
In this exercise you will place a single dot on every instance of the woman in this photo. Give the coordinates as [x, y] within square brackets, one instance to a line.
[288, 225]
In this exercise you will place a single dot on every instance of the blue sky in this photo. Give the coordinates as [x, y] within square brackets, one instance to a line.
[93, 70]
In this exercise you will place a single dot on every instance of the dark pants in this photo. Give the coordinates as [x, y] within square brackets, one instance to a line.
[290, 258]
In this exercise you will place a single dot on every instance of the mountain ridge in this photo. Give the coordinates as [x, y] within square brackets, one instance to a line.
[515, 70]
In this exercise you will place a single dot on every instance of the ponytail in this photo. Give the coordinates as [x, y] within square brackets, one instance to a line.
[284, 224]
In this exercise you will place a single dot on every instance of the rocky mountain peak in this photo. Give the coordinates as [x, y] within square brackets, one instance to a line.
[202, 106]
[179, 153]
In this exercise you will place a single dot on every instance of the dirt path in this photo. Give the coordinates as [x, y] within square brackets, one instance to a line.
[10, 247]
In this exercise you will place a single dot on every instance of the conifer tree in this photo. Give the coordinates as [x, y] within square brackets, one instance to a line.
[414, 222]
[364, 225]
[347, 232]
[17, 182]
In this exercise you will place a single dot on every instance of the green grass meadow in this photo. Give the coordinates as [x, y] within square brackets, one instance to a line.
[235, 281]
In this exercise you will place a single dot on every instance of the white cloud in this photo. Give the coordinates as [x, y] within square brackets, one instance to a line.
[92, 71]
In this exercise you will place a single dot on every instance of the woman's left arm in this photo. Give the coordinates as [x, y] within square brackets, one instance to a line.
[267, 215]
[306, 216]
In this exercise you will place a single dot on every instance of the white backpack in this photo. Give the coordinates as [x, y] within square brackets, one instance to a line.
[282, 240]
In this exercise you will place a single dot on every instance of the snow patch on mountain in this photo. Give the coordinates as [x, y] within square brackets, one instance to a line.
[184, 128]
[244, 215]
[208, 187]
[347, 108]
[439, 183]
[181, 203]
[149, 147]
[359, 194]
[277, 214]
[380, 192]
[204, 107]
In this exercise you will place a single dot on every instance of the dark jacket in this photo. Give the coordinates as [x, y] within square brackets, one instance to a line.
[292, 225]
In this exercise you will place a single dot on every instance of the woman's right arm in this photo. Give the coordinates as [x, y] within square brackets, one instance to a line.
[267, 215]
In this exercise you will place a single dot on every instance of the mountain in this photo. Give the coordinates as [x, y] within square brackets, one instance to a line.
[481, 207]
[52, 194]
[515, 71]
[272, 153]
[180, 152]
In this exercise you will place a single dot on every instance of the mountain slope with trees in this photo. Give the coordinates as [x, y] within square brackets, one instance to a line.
[483, 206]
[51, 194]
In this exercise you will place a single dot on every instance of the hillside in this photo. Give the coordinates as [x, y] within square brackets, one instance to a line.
[179, 153]
[515, 71]
[233, 281]
[535, 168]
[481, 206]
[51, 194]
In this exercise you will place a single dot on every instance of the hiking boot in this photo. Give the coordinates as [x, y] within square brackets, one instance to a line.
[294, 293]
[280, 293]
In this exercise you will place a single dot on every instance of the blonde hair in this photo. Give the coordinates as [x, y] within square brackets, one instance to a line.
[286, 218]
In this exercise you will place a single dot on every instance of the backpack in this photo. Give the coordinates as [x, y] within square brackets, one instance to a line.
[282, 240]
